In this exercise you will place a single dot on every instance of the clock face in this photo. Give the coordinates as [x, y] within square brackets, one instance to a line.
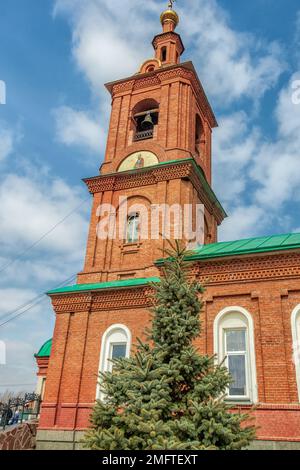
[138, 160]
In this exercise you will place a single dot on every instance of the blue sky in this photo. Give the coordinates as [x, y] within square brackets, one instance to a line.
[55, 56]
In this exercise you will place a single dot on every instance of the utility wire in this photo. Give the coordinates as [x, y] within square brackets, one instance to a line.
[8, 314]
[22, 313]
[37, 300]
[22, 253]
[32, 303]
[16, 385]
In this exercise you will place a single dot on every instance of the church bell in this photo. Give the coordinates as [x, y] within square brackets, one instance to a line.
[147, 123]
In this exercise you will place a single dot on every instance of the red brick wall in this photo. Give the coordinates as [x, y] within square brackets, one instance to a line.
[175, 90]
[266, 286]
[108, 259]
[72, 374]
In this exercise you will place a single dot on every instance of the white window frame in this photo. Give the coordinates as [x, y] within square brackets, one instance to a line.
[295, 324]
[109, 365]
[115, 334]
[235, 318]
[134, 229]
[238, 353]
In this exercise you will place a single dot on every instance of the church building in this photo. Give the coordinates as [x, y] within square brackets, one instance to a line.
[159, 152]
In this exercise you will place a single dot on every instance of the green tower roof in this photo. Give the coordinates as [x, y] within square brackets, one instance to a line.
[45, 350]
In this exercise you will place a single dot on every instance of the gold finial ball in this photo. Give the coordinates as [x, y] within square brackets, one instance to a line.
[169, 15]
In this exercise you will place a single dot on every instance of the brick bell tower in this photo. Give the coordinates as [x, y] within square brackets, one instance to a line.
[158, 152]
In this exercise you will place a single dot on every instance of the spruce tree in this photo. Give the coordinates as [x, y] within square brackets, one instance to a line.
[167, 395]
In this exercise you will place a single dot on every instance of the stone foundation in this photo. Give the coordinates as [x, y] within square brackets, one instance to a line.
[21, 437]
[274, 445]
[70, 440]
[59, 440]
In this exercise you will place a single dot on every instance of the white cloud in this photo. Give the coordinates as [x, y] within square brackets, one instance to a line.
[22, 337]
[31, 204]
[110, 39]
[75, 127]
[242, 223]
[31, 207]
[257, 177]
[276, 166]
[11, 298]
[6, 142]
[232, 64]
[234, 146]
[20, 367]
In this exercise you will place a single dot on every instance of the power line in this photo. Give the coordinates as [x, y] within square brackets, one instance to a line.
[8, 314]
[16, 385]
[22, 253]
[22, 313]
[33, 303]
[29, 302]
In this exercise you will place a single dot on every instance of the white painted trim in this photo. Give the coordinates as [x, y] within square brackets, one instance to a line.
[296, 343]
[105, 343]
[217, 352]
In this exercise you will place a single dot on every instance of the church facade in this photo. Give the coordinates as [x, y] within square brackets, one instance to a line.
[158, 154]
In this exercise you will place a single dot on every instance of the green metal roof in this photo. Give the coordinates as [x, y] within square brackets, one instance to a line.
[45, 350]
[290, 241]
[134, 282]
[267, 244]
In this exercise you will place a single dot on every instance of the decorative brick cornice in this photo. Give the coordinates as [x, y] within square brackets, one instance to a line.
[153, 175]
[106, 300]
[185, 71]
[70, 303]
[169, 36]
[146, 82]
[245, 269]
[123, 87]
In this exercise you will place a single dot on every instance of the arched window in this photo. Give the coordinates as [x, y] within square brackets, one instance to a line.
[116, 343]
[150, 68]
[133, 225]
[296, 343]
[234, 344]
[163, 54]
[145, 117]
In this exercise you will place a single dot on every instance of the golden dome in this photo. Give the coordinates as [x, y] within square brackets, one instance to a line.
[169, 15]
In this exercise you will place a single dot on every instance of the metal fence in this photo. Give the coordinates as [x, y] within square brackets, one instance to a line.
[19, 410]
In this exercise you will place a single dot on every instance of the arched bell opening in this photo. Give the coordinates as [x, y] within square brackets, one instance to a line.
[145, 117]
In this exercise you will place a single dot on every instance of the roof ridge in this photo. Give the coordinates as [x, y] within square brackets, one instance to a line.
[267, 237]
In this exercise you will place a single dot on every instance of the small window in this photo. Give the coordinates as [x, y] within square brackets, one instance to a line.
[199, 136]
[115, 344]
[117, 351]
[163, 54]
[296, 343]
[235, 351]
[150, 69]
[133, 223]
